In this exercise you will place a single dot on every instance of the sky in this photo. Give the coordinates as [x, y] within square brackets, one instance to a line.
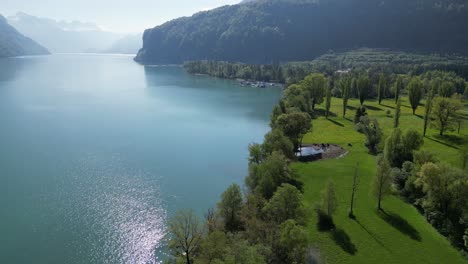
[126, 16]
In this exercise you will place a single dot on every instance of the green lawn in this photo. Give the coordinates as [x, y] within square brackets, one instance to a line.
[400, 236]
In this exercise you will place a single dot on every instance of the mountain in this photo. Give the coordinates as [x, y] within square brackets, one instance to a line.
[13, 43]
[129, 44]
[265, 31]
[63, 36]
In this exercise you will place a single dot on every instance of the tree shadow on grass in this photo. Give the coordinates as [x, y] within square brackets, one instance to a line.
[442, 142]
[343, 240]
[350, 107]
[373, 108]
[400, 224]
[452, 139]
[388, 106]
[336, 122]
[339, 236]
[324, 223]
[371, 234]
[321, 112]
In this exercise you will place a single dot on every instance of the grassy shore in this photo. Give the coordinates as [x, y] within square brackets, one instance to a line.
[398, 235]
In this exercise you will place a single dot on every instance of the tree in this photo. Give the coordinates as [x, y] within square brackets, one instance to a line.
[230, 207]
[396, 118]
[255, 153]
[398, 88]
[185, 234]
[373, 133]
[315, 83]
[363, 85]
[444, 110]
[464, 155]
[275, 140]
[214, 247]
[353, 191]
[439, 182]
[360, 112]
[382, 180]
[294, 125]
[345, 87]
[415, 92]
[285, 204]
[328, 101]
[427, 110]
[399, 146]
[293, 242]
[446, 89]
[297, 96]
[382, 87]
[269, 175]
[329, 199]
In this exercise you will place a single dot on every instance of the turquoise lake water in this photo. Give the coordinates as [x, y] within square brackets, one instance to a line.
[97, 151]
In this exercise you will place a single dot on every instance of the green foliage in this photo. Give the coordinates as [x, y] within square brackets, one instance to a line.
[446, 198]
[427, 110]
[396, 118]
[293, 242]
[275, 140]
[382, 87]
[273, 31]
[230, 208]
[446, 89]
[315, 84]
[360, 112]
[294, 125]
[285, 204]
[221, 248]
[415, 93]
[399, 147]
[363, 86]
[328, 101]
[255, 153]
[382, 181]
[329, 200]
[398, 87]
[371, 129]
[345, 87]
[269, 175]
[444, 110]
[185, 235]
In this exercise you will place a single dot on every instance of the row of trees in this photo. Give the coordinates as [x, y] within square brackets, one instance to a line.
[266, 223]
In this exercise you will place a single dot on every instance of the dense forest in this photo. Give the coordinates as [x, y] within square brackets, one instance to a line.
[13, 43]
[297, 30]
[370, 60]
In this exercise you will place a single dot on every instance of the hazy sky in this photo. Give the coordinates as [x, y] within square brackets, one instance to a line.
[114, 15]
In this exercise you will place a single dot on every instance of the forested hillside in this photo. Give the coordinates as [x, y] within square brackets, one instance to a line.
[293, 30]
[12, 43]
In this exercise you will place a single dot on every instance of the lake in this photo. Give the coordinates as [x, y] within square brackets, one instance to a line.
[97, 152]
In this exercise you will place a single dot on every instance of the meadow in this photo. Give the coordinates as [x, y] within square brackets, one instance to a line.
[398, 234]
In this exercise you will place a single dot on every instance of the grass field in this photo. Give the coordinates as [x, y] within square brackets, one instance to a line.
[401, 234]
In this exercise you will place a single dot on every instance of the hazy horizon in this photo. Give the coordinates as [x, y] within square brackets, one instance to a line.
[122, 17]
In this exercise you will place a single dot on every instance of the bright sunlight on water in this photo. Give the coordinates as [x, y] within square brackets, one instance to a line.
[96, 152]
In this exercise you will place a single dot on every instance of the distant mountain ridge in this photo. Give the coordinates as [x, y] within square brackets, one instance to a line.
[265, 31]
[62, 36]
[13, 43]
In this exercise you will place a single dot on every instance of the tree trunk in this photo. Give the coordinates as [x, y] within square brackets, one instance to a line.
[187, 257]
[414, 111]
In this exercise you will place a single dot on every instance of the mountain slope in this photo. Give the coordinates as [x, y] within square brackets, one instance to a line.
[13, 43]
[61, 36]
[283, 30]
